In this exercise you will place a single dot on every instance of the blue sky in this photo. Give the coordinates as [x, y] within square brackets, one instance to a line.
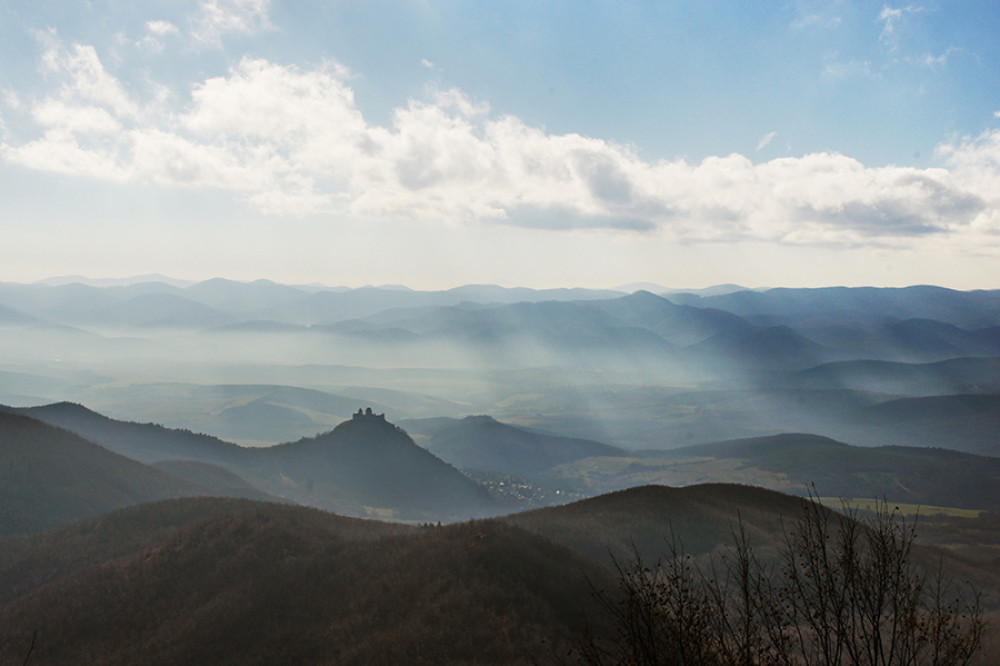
[521, 143]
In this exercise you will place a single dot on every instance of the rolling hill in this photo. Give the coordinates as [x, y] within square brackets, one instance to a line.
[964, 309]
[483, 443]
[145, 442]
[701, 518]
[961, 422]
[914, 475]
[363, 467]
[954, 376]
[50, 476]
[226, 582]
[367, 466]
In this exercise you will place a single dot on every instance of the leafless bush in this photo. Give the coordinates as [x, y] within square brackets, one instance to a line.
[844, 590]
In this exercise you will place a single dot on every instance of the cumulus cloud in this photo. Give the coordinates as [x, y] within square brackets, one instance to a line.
[216, 18]
[291, 141]
[156, 31]
[83, 77]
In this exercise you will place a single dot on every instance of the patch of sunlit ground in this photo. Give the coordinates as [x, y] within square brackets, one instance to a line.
[871, 504]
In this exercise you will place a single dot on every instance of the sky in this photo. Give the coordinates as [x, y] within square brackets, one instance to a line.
[539, 144]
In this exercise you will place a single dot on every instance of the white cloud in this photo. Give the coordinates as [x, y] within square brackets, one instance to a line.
[156, 31]
[766, 139]
[161, 28]
[216, 18]
[849, 70]
[75, 118]
[291, 141]
[815, 21]
[426, 63]
[890, 18]
[59, 151]
[13, 101]
[84, 77]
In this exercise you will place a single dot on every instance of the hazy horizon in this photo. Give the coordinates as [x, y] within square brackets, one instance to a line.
[182, 282]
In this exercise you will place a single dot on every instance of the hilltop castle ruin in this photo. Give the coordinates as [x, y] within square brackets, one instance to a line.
[367, 414]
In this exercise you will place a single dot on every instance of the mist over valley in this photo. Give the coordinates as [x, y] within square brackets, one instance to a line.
[499, 333]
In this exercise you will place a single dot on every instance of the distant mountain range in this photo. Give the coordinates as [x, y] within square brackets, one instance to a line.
[783, 328]
[676, 416]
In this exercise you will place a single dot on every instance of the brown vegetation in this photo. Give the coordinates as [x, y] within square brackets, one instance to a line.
[843, 592]
[230, 582]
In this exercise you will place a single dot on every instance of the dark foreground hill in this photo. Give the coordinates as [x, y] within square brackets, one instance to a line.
[50, 476]
[234, 582]
[701, 521]
[701, 517]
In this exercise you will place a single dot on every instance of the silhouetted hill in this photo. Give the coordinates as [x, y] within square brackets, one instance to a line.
[367, 466]
[954, 376]
[555, 324]
[914, 475]
[242, 583]
[328, 307]
[145, 442]
[60, 304]
[263, 420]
[960, 422]
[50, 476]
[364, 466]
[489, 293]
[480, 442]
[678, 324]
[933, 340]
[243, 297]
[965, 309]
[768, 348]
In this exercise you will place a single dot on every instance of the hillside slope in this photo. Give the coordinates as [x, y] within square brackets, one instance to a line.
[145, 442]
[367, 466]
[481, 442]
[645, 518]
[225, 582]
[50, 476]
[363, 467]
[915, 475]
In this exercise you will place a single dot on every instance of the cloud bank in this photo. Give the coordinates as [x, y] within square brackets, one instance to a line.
[291, 141]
